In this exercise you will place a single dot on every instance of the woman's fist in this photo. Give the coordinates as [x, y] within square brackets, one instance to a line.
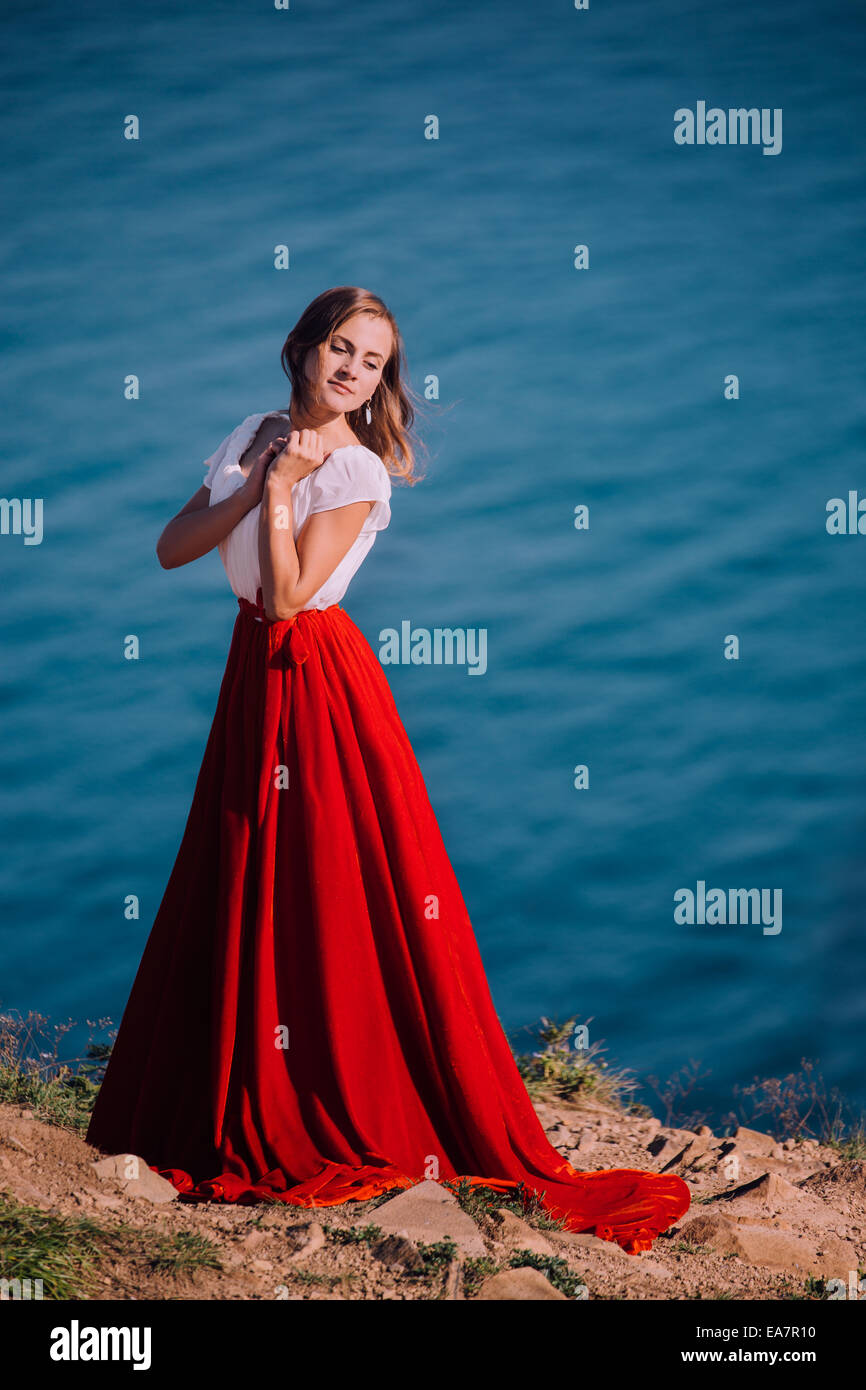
[297, 456]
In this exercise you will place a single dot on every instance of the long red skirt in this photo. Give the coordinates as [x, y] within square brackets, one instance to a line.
[311, 1019]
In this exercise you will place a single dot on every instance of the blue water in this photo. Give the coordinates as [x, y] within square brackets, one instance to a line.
[557, 387]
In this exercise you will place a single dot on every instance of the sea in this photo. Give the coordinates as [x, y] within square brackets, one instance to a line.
[639, 371]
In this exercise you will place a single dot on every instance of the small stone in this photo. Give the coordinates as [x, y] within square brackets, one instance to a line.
[429, 1212]
[752, 1141]
[695, 1149]
[769, 1190]
[666, 1152]
[591, 1242]
[108, 1203]
[26, 1192]
[136, 1178]
[559, 1136]
[12, 1143]
[398, 1253]
[305, 1240]
[524, 1284]
[519, 1235]
[775, 1249]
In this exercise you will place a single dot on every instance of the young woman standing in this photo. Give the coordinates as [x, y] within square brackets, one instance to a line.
[311, 1019]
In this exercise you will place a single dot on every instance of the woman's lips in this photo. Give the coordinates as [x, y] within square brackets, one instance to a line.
[341, 387]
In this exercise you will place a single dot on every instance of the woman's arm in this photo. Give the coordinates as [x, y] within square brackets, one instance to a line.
[292, 572]
[198, 527]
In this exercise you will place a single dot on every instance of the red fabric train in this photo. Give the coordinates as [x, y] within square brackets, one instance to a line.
[301, 1026]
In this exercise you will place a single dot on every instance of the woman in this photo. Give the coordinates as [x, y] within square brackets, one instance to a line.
[311, 1019]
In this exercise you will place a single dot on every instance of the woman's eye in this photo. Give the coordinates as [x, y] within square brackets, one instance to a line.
[371, 366]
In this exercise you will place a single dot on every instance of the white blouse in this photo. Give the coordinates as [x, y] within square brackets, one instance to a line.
[352, 473]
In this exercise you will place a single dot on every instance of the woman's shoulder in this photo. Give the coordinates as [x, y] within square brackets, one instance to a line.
[357, 461]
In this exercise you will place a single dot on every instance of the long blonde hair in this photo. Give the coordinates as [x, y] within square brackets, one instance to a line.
[392, 408]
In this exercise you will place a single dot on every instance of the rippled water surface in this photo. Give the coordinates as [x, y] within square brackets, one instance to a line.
[558, 387]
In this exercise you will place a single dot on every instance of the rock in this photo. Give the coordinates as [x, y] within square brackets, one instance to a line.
[669, 1144]
[665, 1135]
[757, 1245]
[667, 1152]
[708, 1229]
[108, 1203]
[590, 1242]
[305, 1240]
[136, 1178]
[519, 1235]
[729, 1162]
[525, 1284]
[704, 1132]
[839, 1177]
[826, 1255]
[751, 1141]
[767, 1191]
[262, 1266]
[428, 1212]
[695, 1149]
[28, 1194]
[12, 1143]
[397, 1253]
[559, 1136]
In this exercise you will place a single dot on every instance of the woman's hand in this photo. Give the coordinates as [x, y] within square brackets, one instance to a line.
[298, 456]
[254, 486]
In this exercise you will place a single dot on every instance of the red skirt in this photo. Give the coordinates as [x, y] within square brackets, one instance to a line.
[311, 1019]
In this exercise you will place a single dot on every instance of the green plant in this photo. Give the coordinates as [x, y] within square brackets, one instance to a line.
[481, 1202]
[356, 1235]
[475, 1271]
[31, 1073]
[554, 1268]
[558, 1069]
[62, 1253]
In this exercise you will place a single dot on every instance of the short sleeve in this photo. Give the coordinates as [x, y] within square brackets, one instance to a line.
[353, 474]
[218, 457]
[212, 464]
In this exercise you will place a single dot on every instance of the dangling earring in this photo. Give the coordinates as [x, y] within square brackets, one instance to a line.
[368, 412]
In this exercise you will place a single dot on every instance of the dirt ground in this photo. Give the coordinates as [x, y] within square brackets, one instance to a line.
[767, 1221]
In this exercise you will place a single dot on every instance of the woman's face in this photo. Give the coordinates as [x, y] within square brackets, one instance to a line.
[353, 361]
